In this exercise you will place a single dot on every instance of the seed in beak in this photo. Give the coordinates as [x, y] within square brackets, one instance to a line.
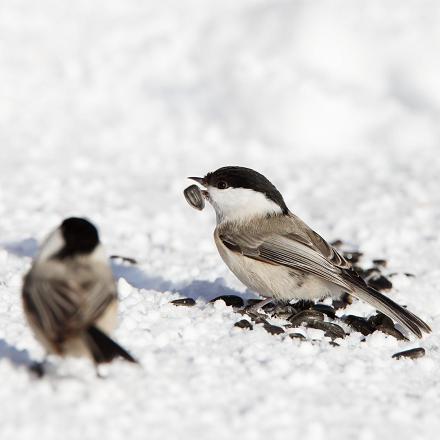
[194, 197]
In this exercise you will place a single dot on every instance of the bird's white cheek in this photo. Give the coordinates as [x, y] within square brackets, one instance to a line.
[240, 203]
[99, 254]
[51, 246]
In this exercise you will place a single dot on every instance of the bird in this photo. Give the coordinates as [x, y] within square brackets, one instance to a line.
[70, 297]
[276, 254]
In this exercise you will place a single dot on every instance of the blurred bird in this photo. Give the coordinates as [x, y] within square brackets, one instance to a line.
[274, 253]
[70, 297]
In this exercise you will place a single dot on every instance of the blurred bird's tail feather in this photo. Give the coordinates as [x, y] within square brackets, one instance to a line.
[103, 348]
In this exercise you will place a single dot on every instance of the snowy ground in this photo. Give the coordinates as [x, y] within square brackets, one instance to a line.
[106, 106]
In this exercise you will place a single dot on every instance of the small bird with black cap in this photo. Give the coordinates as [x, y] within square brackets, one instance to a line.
[70, 297]
[275, 254]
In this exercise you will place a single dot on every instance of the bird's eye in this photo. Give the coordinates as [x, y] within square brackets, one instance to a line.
[222, 185]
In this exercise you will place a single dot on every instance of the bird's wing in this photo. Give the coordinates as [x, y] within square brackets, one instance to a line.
[290, 250]
[313, 240]
[60, 307]
[328, 251]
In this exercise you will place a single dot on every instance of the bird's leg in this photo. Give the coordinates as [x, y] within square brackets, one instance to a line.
[259, 305]
[101, 371]
[38, 368]
[98, 373]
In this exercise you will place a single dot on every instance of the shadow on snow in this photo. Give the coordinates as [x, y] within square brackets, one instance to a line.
[19, 358]
[137, 278]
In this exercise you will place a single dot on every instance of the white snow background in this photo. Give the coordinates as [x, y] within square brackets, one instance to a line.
[106, 106]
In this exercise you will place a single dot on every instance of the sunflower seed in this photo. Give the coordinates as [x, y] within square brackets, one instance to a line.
[273, 329]
[244, 323]
[379, 282]
[414, 353]
[188, 302]
[326, 309]
[331, 330]
[337, 243]
[343, 301]
[297, 336]
[392, 332]
[230, 300]
[353, 257]
[359, 324]
[380, 262]
[124, 259]
[256, 317]
[305, 316]
[303, 304]
[194, 197]
[380, 320]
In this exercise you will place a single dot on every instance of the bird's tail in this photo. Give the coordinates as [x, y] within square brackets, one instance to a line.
[385, 305]
[103, 348]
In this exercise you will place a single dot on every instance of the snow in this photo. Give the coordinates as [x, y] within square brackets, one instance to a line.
[107, 106]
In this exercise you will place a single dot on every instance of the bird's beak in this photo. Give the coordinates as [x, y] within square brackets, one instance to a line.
[200, 180]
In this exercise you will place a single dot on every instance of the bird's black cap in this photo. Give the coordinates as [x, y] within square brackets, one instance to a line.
[241, 177]
[80, 236]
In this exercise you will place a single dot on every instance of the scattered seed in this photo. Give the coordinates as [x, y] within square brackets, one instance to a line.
[331, 330]
[326, 309]
[353, 257]
[252, 302]
[258, 318]
[372, 271]
[380, 319]
[230, 300]
[273, 329]
[359, 324]
[188, 302]
[124, 259]
[380, 262]
[360, 271]
[392, 332]
[337, 243]
[243, 323]
[407, 274]
[303, 304]
[297, 336]
[305, 316]
[414, 353]
[342, 302]
[379, 282]
[281, 310]
[267, 307]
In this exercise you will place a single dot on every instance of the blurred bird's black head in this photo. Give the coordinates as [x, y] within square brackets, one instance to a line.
[80, 237]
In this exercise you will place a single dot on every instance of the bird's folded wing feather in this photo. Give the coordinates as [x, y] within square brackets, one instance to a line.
[60, 307]
[313, 240]
[328, 251]
[289, 250]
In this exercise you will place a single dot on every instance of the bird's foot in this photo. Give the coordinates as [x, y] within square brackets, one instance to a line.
[101, 371]
[259, 305]
[38, 368]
